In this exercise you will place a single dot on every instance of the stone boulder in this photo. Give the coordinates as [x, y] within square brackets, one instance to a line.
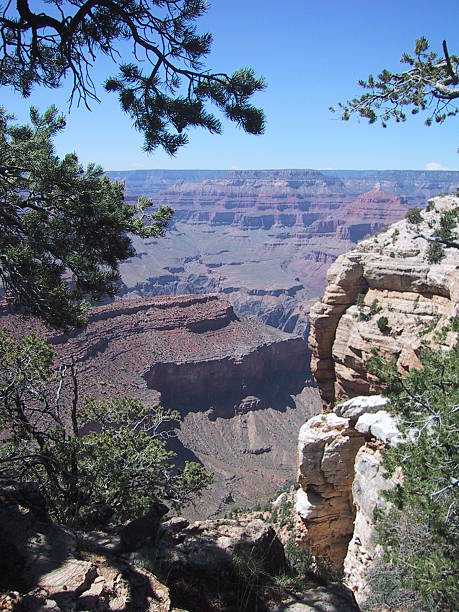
[332, 598]
[49, 570]
[139, 531]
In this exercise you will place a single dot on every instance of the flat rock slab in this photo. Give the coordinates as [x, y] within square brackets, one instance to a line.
[333, 598]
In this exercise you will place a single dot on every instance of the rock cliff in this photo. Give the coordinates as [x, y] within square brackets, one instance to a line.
[239, 384]
[192, 349]
[329, 491]
[384, 295]
[341, 483]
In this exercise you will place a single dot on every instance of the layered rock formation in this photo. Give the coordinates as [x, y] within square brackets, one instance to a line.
[192, 349]
[403, 299]
[239, 384]
[328, 445]
[386, 296]
[265, 238]
[341, 483]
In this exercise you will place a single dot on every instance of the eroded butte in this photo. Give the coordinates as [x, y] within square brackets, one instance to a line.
[241, 386]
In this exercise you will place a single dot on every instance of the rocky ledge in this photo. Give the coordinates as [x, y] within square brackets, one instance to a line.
[384, 295]
[206, 566]
[192, 349]
[341, 483]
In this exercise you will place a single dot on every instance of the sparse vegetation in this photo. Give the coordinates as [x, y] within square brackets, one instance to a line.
[430, 82]
[447, 223]
[383, 325]
[414, 216]
[64, 230]
[420, 568]
[366, 313]
[162, 82]
[435, 252]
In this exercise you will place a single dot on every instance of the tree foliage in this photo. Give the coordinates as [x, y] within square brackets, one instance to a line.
[430, 84]
[63, 229]
[165, 88]
[419, 535]
[92, 461]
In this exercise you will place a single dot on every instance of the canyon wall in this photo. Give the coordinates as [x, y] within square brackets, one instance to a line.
[241, 386]
[265, 238]
[385, 296]
[404, 299]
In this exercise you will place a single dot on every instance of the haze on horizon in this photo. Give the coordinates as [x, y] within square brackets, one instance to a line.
[312, 56]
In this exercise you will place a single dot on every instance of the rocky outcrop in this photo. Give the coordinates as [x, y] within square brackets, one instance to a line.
[384, 296]
[326, 453]
[55, 573]
[403, 299]
[341, 479]
[370, 481]
[201, 567]
[208, 548]
[225, 565]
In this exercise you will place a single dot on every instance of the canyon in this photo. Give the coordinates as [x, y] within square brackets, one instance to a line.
[242, 388]
[265, 238]
[256, 247]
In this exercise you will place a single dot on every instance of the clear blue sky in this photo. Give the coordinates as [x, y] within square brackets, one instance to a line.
[312, 54]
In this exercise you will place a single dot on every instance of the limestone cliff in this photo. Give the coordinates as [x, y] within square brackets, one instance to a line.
[392, 275]
[384, 295]
[341, 483]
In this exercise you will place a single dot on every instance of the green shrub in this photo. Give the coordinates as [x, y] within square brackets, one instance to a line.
[374, 308]
[366, 312]
[383, 325]
[435, 252]
[414, 216]
[448, 221]
[360, 301]
[90, 461]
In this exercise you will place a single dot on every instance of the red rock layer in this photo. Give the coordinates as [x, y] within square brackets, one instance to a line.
[190, 348]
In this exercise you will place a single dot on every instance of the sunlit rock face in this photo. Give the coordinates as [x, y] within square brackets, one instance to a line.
[384, 295]
[341, 482]
[404, 299]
